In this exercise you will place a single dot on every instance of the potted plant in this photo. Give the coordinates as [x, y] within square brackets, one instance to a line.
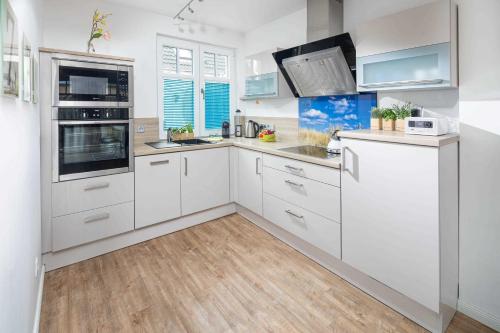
[402, 112]
[183, 133]
[376, 119]
[389, 119]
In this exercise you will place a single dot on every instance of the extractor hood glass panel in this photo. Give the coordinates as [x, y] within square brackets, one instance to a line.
[320, 73]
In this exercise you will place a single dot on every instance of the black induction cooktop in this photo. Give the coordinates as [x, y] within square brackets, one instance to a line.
[309, 150]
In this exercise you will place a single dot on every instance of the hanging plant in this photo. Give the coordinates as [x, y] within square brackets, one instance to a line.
[97, 31]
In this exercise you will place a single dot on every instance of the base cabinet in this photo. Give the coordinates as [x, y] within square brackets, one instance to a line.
[399, 210]
[250, 180]
[157, 188]
[204, 179]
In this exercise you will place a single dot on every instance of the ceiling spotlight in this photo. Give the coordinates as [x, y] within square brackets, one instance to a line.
[190, 10]
[180, 18]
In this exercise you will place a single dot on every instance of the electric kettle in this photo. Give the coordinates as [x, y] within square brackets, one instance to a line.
[252, 129]
[334, 146]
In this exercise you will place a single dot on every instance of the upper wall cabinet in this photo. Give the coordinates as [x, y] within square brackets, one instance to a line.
[413, 49]
[262, 77]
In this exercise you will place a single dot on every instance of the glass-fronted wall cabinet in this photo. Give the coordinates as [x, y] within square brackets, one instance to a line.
[262, 77]
[404, 51]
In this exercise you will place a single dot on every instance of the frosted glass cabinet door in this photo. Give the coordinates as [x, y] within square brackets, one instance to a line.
[261, 85]
[416, 68]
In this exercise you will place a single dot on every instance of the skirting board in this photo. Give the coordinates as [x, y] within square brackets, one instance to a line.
[38, 309]
[476, 313]
[418, 313]
[54, 260]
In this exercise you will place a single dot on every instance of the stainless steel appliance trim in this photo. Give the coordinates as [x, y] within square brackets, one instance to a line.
[55, 82]
[88, 104]
[86, 64]
[91, 174]
[288, 211]
[55, 151]
[131, 159]
[92, 122]
[98, 186]
[96, 217]
[130, 102]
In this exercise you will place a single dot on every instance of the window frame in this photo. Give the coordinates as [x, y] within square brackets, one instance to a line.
[198, 78]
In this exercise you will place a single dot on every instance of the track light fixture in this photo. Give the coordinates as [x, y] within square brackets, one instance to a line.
[187, 7]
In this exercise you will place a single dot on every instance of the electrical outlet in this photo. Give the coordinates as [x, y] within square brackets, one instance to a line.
[140, 129]
[36, 267]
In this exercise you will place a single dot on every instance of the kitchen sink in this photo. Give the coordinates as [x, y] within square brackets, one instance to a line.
[162, 144]
[190, 142]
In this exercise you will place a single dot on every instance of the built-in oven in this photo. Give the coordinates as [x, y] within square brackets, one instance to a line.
[89, 142]
[81, 83]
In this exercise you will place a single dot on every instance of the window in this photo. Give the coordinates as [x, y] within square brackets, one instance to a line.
[195, 85]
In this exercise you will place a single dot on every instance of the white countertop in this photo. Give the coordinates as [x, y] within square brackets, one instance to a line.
[401, 137]
[252, 144]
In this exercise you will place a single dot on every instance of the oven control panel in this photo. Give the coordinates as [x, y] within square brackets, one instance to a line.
[92, 113]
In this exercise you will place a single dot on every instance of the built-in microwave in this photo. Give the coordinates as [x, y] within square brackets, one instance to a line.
[90, 84]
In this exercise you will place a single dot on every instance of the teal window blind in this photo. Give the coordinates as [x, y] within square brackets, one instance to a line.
[217, 99]
[178, 103]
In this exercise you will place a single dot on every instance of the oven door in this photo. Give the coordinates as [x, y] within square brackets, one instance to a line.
[91, 148]
[77, 83]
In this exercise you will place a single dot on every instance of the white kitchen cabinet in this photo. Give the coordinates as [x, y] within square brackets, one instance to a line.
[320, 198]
[250, 180]
[157, 188]
[313, 228]
[204, 179]
[412, 49]
[89, 193]
[91, 225]
[263, 79]
[400, 217]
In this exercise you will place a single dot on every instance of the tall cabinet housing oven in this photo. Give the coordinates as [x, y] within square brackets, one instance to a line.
[86, 148]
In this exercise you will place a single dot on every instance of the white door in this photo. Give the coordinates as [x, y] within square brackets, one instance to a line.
[390, 216]
[157, 189]
[204, 179]
[250, 180]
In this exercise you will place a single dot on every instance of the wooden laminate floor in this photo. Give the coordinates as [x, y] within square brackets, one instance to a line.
[226, 275]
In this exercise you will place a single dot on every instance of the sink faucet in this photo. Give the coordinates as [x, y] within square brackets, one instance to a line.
[169, 135]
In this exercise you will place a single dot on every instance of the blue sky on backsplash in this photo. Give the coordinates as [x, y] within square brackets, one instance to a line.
[346, 112]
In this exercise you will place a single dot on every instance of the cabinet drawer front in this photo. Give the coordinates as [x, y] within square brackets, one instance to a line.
[80, 228]
[303, 169]
[84, 194]
[315, 196]
[314, 229]
[157, 188]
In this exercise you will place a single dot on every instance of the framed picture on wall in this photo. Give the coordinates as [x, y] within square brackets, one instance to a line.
[10, 51]
[27, 70]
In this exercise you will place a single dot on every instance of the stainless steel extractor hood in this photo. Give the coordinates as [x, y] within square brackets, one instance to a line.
[321, 67]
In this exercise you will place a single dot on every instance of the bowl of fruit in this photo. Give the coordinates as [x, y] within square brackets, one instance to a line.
[267, 135]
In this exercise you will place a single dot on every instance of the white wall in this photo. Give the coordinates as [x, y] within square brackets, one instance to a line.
[66, 25]
[284, 32]
[477, 106]
[20, 240]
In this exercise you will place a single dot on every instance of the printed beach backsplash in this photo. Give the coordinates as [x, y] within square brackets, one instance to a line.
[320, 116]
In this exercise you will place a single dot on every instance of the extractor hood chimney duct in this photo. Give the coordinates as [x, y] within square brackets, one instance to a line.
[326, 65]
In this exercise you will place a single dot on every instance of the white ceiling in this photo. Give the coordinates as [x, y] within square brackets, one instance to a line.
[238, 15]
